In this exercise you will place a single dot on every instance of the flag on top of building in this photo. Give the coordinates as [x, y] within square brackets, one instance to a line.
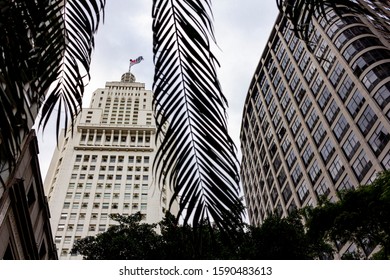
[135, 61]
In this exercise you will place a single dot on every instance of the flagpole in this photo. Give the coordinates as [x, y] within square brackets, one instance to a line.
[135, 61]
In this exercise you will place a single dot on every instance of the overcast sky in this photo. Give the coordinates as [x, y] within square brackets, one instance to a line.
[241, 28]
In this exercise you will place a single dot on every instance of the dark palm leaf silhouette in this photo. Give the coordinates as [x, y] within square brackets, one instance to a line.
[43, 43]
[301, 12]
[196, 156]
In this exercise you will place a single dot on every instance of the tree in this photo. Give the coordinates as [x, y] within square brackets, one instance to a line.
[360, 217]
[282, 239]
[43, 43]
[130, 240]
[200, 242]
[277, 238]
[133, 239]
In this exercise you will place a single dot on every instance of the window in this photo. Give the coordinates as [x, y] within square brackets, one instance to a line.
[386, 161]
[284, 62]
[367, 120]
[324, 98]
[327, 150]
[290, 113]
[345, 184]
[276, 119]
[358, 45]
[310, 73]
[290, 71]
[361, 166]
[291, 158]
[379, 139]
[285, 101]
[319, 135]
[314, 172]
[270, 179]
[336, 169]
[286, 145]
[303, 192]
[317, 85]
[281, 132]
[332, 112]
[306, 106]
[312, 120]
[296, 174]
[382, 96]
[299, 51]
[294, 82]
[350, 33]
[356, 103]
[350, 146]
[340, 128]
[374, 76]
[368, 58]
[296, 125]
[322, 190]
[282, 177]
[307, 155]
[327, 63]
[304, 62]
[345, 88]
[300, 94]
[286, 193]
[336, 74]
[301, 140]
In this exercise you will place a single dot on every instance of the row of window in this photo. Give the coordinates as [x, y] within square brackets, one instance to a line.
[104, 205]
[112, 159]
[77, 167]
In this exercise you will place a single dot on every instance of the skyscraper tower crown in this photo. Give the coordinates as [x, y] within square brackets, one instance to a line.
[128, 78]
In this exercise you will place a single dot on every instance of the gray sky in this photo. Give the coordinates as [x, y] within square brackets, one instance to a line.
[241, 28]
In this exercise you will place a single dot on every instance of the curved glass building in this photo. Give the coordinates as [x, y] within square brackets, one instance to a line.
[317, 116]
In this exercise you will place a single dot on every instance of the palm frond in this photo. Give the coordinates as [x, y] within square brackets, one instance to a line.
[80, 21]
[301, 12]
[196, 156]
[42, 44]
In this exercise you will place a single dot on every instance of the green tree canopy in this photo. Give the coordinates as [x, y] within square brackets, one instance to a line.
[360, 216]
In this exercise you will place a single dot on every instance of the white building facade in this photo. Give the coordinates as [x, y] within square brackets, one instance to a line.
[106, 166]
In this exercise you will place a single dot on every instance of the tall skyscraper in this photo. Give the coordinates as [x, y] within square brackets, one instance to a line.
[317, 115]
[106, 167]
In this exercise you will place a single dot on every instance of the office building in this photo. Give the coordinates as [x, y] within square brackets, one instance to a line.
[25, 232]
[317, 116]
[106, 166]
